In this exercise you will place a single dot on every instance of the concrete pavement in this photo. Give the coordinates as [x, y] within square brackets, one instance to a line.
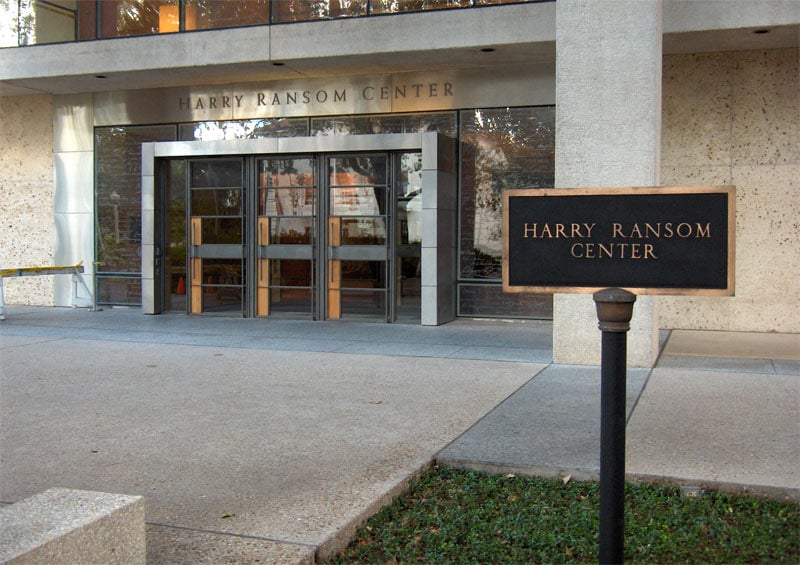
[272, 440]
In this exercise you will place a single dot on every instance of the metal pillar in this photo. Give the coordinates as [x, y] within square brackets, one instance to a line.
[614, 311]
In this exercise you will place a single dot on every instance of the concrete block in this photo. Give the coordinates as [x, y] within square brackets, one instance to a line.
[73, 526]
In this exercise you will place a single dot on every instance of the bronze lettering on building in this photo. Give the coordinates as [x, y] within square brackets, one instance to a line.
[328, 95]
[659, 240]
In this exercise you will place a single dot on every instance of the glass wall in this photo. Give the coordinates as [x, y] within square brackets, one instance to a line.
[31, 22]
[34, 22]
[502, 148]
[213, 14]
[395, 6]
[243, 129]
[305, 10]
[443, 122]
[498, 149]
[147, 17]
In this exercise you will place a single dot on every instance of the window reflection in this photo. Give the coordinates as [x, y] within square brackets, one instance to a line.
[216, 14]
[443, 122]
[291, 284]
[291, 231]
[118, 193]
[11, 34]
[501, 149]
[31, 22]
[216, 173]
[143, 17]
[244, 129]
[121, 18]
[118, 209]
[287, 195]
[409, 199]
[395, 6]
[295, 201]
[363, 231]
[305, 10]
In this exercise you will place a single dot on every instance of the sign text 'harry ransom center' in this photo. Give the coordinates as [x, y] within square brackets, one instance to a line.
[661, 240]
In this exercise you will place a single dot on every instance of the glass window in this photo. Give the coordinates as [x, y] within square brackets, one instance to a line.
[216, 173]
[174, 234]
[304, 10]
[409, 199]
[360, 170]
[87, 20]
[501, 149]
[221, 231]
[291, 230]
[215, 14]
[395, 6]
[223, 287]
[227, 202]
[294, 201]
[9, 25]
[122, 18]
[118, 195]
[443, 122]
[119, 290]
[32, 22]
[118, 208]
[286, 172]
[287, 191]
[363, 231]
[489, 301]
[291, 285]
[144, 17]
[216, 198]
[496, 2]
[244, 129]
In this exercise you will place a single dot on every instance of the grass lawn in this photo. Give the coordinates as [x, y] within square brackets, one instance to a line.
[455, 516]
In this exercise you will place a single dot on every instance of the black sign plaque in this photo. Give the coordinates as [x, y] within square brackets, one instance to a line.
[650, 240]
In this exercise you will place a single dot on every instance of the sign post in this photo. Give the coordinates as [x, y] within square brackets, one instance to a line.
[614, 311]
[616, 243]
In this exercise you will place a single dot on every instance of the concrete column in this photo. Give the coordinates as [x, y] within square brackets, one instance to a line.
[608, 132]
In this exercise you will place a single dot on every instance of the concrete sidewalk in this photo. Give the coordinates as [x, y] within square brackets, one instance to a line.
[724, 423]
[272, 440]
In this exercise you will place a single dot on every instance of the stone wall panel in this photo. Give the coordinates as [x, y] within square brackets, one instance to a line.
[26, 185]
[697, 134]
[764, 164]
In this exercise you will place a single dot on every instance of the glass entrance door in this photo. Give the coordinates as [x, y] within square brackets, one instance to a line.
[358, 237]
[286, 236]
[325, 236]
[217, 222]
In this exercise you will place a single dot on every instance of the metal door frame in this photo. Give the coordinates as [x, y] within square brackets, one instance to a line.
[195, 249]
[439, 214]
[327, 252]
[262, 251]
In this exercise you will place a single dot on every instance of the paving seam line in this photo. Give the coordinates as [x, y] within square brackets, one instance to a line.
[230, 534]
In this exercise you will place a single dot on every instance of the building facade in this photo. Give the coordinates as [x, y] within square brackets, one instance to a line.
[346, 159]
